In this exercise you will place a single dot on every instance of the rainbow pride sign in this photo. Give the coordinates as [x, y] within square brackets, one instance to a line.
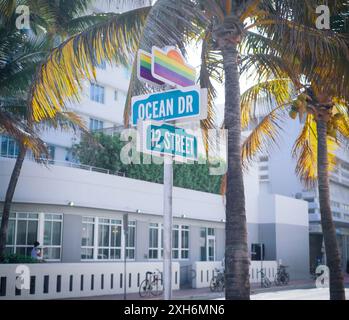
[144, 69]
[165, 67]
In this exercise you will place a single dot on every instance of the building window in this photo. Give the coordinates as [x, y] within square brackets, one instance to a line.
[155, 241]
[185, 242]
[337, 214]
[102, 239]
[207, 244]
[87, 240]
[24, 230]
[97, 93]
[109, 239]
[52, 236]
[263, 158]
[116, 93]
[345, 166]
[51, 152]
[9, 147]
[180, 242]
[96, 125]
[264, 177]
[131, 240]
[335, 204]
[22, 233]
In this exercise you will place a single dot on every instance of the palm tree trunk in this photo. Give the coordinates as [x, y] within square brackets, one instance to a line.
[328, 228]
[8, 198]
[237, 285]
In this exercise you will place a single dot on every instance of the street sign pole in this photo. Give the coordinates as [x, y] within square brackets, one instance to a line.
[168, 188]
[168, 69]
[168, 193]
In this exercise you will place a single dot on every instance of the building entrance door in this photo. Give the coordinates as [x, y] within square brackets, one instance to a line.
[211, 245]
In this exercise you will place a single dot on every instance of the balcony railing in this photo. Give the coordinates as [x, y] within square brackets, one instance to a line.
[68, 164]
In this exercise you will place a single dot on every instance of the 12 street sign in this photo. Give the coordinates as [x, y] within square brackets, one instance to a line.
[170, 105]
[166, 139]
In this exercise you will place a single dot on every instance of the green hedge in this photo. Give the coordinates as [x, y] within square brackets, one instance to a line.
[106, 154]
[16, 258]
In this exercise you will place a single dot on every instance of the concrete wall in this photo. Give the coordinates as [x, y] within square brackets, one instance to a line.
[267, 236]
[71, 238]
[78, 279]
[61, 185]
[293, 250]
[142, 240]
[284, 229]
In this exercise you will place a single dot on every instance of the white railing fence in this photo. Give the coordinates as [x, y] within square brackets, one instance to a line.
[204, 272]
[72, 280]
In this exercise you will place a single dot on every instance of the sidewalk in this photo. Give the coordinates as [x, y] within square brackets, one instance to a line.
[206, 294]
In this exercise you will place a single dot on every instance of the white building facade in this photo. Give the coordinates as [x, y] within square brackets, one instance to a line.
[277, 175]
[78, 215]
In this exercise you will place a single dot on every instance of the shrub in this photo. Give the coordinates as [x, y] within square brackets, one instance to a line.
[16, 258]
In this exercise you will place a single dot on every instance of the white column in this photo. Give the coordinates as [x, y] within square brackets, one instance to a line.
[41, 227]
[95, 240]
[168, 186]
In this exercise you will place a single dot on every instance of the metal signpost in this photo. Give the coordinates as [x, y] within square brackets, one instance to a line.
[152, 113]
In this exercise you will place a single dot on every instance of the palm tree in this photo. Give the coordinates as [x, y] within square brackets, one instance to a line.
[20, 55]
[319, 92]
[225, 28]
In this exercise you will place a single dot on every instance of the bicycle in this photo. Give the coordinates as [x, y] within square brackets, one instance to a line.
[282, 277]
[265, 282]
[217, 282]
[152, 284]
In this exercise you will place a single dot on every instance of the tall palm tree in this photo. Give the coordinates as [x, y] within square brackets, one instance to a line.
[320, 94]
[20, 55]
[225, 28]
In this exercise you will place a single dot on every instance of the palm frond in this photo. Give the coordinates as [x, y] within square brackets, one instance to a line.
[262, 97]
[269, 66]
[21, 131]
[59, 79]
[264, 136]
[342, 122]
[305, 152]
[210, 69]
[65, 121]
[7, 8]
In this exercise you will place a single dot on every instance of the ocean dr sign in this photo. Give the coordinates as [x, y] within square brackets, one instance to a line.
[166, 139]
[170, 105]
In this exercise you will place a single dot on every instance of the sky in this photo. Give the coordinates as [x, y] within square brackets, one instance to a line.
[194, 53]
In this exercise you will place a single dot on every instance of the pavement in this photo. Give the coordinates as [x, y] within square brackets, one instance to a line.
[206, 294]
